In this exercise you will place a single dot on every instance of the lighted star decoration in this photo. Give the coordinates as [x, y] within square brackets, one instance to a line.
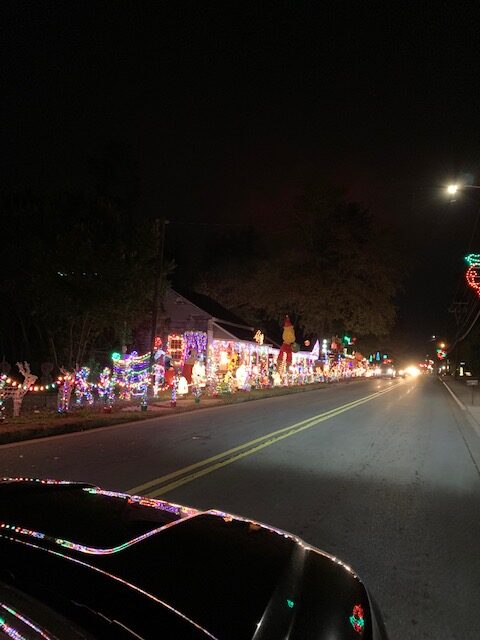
[473, 275]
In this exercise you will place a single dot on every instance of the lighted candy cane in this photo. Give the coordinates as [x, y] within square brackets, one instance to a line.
[473, 275]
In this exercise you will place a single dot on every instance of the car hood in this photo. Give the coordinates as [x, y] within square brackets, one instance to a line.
[150, 566]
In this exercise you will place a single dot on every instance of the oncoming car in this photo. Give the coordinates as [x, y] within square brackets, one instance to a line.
[81, 563]
[385, 371]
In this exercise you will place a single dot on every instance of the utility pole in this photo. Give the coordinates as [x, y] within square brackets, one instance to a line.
[159, 231]
[459, 311]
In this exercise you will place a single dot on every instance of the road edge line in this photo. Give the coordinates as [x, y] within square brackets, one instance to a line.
[454, 396]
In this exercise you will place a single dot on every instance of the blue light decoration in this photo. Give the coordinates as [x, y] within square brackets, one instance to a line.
[83, 388]
[194, 341]
[132, 374]
[106, 387]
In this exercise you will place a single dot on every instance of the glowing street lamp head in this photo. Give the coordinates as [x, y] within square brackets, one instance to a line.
[452, 189]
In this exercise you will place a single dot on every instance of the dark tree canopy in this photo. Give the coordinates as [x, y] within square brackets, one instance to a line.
[76, 269]
[326, 264]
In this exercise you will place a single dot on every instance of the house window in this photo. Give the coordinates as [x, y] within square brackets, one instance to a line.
[175, 347]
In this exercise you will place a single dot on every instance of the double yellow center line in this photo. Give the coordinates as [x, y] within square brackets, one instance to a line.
[160, 486]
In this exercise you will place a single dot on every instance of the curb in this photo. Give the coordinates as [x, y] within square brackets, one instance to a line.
[471, 436]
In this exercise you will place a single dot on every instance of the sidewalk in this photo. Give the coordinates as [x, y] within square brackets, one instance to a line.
[467, 396]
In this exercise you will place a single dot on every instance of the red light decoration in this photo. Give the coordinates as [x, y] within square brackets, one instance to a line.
[473, 275]
[357, 619]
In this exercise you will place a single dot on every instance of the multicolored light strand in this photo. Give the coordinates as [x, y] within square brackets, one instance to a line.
[25, 621]
[473, 275]
[83, 388]
[194, 341]
[132, 374]
[10, 631]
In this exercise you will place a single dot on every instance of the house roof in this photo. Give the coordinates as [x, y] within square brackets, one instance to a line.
[210, 306]
[224, 319]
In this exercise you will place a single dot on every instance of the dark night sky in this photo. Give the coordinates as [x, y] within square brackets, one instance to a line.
[230, 107]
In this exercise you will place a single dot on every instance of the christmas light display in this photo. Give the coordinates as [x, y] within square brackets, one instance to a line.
[182, 386]
[285, 354]
[10, 631]
[25, 621]
[197, 393]
[357, 619]
[176, 348]
[192, 341]
[106, 387]
[173, 400]
[199, 375]
[158, 378]
[132, 374]
[153, 503]
[66, 383]
[473, 275]
[10, 389]
[83, 388]
[3, 382]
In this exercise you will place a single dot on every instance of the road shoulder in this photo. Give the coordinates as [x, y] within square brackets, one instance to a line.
[468, 422]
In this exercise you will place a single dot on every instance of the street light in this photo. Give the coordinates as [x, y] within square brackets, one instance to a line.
[452, 189]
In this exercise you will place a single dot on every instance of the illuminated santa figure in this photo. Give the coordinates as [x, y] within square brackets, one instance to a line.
[288, 346]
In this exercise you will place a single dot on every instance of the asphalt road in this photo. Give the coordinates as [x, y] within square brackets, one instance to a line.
[383, 474]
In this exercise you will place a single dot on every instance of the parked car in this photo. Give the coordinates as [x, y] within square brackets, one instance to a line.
[79, 562]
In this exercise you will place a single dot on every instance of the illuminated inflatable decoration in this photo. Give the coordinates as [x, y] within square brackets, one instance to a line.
[473, 275]
[285, 354]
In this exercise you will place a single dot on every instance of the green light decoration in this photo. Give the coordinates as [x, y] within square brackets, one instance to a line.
[357, 619]
[290, 603]
[472, 275]
[116, 356]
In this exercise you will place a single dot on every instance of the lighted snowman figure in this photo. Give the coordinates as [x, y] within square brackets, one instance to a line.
[199, 375]
[182, 388]
[241, 376]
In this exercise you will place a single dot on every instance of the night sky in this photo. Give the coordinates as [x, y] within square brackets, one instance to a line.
[230, 108]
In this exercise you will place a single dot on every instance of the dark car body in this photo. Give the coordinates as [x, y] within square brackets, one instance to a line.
[78, 562]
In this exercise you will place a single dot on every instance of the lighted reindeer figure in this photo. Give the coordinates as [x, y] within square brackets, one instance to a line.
[17, 392]
[66, 384]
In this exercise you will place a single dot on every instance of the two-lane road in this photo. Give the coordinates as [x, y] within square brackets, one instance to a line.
[380, 473]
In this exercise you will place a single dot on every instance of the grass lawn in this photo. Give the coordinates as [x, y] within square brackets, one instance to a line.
[46, 423]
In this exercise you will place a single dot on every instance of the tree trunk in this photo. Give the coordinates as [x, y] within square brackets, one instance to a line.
[82, 340]
[26, 342]
[70, 356]
[53, 350]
